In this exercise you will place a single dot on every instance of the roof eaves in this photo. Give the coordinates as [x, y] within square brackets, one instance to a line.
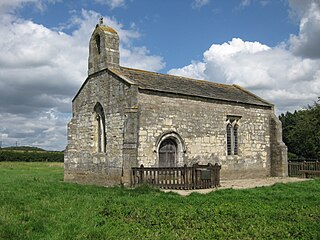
[112, 70]
[252, 94]
[118, 73]
[82, 86]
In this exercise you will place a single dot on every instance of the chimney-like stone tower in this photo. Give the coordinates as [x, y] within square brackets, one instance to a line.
[103, 49]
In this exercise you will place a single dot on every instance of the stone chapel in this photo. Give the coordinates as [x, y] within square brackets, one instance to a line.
[124, 117]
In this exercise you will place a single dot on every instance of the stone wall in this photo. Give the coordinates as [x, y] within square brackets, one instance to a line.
[201, 125]
[83, 162]
[138, 120]
[107, 53]
[279, 151]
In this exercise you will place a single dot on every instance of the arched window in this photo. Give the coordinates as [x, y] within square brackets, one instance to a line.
[232, 135]
[100, 131]
[235, 139]
[229, 139]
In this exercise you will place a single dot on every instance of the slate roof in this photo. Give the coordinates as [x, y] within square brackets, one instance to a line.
[186, 86]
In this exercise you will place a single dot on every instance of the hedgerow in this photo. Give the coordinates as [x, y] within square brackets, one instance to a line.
[30, 156]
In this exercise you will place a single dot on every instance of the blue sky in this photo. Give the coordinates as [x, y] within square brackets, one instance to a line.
[179, 31]
[270, 47]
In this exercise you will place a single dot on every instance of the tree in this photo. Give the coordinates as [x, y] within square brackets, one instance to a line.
[301, 132]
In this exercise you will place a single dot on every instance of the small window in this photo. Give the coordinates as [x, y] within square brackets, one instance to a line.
[229, 142]
[100, 135]
[232, 135]
[100, 129]
[235, 140]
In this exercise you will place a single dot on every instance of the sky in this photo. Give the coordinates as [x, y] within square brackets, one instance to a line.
[270, 47]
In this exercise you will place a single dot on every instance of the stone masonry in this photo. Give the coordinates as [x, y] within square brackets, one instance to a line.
[122, 117]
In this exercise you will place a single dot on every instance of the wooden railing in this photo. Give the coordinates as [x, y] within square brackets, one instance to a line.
[300, 168]
[195, 177]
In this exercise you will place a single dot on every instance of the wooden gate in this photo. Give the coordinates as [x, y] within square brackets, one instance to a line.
[195, 177]
[304, 168]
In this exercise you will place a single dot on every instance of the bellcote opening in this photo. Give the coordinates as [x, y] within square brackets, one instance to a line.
[98, 43]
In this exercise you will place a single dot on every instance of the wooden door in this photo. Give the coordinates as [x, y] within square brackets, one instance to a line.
[167, 153]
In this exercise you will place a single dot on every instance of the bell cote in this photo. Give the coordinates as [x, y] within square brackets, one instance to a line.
[103, 48]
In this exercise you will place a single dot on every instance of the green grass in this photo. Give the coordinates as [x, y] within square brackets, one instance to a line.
[35, 203]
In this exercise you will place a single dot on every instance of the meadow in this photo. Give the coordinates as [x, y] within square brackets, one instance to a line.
[35, 203]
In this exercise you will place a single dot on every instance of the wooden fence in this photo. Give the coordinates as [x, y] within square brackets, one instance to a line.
[304, 168]
[195, 177]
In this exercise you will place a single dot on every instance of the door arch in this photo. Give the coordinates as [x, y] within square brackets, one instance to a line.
[168, 153]
[170, 148]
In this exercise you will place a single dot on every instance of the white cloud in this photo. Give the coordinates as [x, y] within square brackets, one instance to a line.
[46, 130]
[11, 5]
[42, 69]
[140, 58]
[194, 70]
[219, 59]
[306, 44]
[276, 74]
[112, 3]
[88, 19]
[130, 55]
[196, 4]
[245, 3]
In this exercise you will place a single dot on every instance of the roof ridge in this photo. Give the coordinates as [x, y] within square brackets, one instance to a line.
[180, 77]
[188, 86]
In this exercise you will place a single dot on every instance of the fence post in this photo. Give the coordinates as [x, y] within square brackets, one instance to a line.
[142, 173]
[194, 176]
[217, 182]
[209, 182]
[185, 176]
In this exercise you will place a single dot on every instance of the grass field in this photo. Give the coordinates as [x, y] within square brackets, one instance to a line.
[35, 203]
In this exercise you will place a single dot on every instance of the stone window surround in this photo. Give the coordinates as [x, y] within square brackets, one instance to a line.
[233, 121]
[100, 130]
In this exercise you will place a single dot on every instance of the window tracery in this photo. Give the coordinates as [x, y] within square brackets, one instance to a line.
[232, 130]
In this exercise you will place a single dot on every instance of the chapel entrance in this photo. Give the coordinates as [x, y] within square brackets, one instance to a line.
[167, 153]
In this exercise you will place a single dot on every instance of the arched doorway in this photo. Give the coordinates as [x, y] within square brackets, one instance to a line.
[167, 153]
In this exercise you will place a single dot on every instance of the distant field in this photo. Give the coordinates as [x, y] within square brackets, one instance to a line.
[29, 154]
[35, 203]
